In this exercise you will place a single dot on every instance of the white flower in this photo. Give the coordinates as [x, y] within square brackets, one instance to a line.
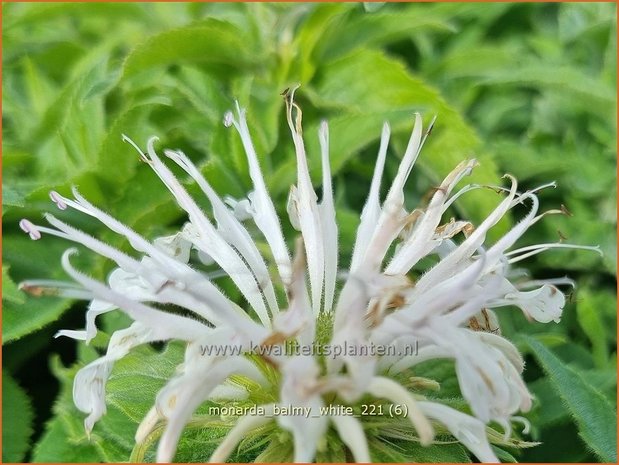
[447, 311]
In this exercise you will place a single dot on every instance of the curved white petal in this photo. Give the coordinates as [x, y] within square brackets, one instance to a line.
[89, 383]
[177, 326]
[544, 304]
[393, 215]
[328, 221]
[351, 433]
[209, 240]
[420, 243]
[300, 389]
[183, 395]
[454, 260]
[169, 271]
[231, 229]
[468, 430]
[388, 389]
[371, 209]
[263, 210]
[175, 246]
[147, 425]
[307, 209]
[430, 352]
[95, 308]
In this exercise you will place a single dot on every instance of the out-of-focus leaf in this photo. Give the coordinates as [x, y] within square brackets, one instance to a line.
[576, 19]
[566, 79]
[22, 319]
[536, 81]
[213, 43]
[70, 100]
[584, 227]
[372, 7]
[11, 197]
[370, 100]
[31, 15]
[373, 30]
[17, 418]
[322, 18]
[593, 413]
[590, 308]
[116, 159]
[478, 61]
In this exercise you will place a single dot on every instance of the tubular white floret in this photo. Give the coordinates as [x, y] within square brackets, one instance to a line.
[305, 200]
[263, 210]
[327, 219]
[351, 432]
[371, 209]
[231, 229]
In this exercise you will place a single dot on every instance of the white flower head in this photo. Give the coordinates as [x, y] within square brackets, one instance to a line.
[448, 312]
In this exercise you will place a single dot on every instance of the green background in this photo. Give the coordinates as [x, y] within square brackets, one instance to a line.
[528, 89]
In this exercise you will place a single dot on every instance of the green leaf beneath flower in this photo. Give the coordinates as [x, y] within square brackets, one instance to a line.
[17, 418]
[595, 416]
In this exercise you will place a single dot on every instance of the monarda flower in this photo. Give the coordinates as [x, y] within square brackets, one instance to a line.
[445, 310]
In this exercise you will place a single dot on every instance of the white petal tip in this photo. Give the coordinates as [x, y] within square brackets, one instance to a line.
[386, 129]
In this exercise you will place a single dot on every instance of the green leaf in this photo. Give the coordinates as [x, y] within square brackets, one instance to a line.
[72, 98]
[43, 14]
[369, 101]
[131, 389]
[576, 20]
[323, 18]
[54, 447]
[566, 79]
[31, 313]
[362, 31]
[17, 418]
[11, 197]
[117, 160]
[549, 408]
[65, 439]
[398, 451]
[590, 317]
[18, 320]
[218, 45]
[10, 292]
[593, 413]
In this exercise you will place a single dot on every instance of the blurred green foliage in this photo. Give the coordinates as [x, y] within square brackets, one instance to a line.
[528, 89]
